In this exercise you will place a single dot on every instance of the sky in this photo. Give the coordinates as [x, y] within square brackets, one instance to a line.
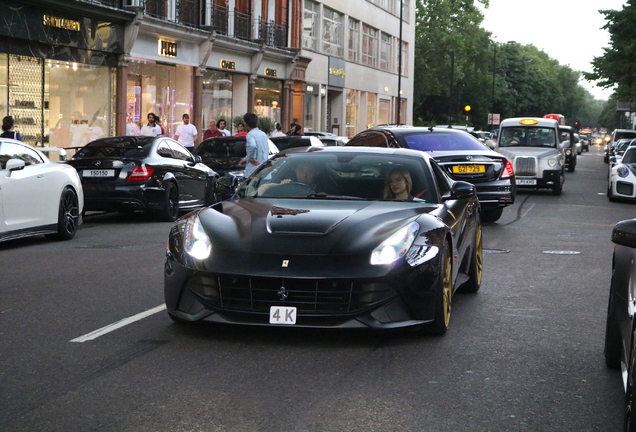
[567, 30]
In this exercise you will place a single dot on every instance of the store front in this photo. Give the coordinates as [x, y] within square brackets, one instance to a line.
[267, 98]
[57, 76]
[217, 96]
[158, 88]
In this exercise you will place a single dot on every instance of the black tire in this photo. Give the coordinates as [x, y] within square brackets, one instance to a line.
[475, 271]
[629, 423]
[170, 210]
[444, 298]
[613, 345]
[68, 216]
[491, 215]
[558, 188]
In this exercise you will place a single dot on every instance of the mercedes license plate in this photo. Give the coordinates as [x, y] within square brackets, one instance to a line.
[468, 169]
[527, 182]
[282, 315]
[99, 173]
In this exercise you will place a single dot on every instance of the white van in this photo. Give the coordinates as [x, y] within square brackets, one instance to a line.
[532, 145]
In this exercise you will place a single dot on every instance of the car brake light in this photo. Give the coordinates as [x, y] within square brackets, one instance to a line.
[140, 173]
[508, 171]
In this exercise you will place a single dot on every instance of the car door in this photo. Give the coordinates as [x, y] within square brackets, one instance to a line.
[31, 195]
[192, 176]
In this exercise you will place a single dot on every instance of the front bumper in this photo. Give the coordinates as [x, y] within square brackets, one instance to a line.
[550, 179]
[404, 297]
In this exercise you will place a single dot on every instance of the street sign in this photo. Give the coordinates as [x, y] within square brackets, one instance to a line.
[496, 119]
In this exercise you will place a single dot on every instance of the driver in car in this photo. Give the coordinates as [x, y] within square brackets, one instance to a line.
[309, 175]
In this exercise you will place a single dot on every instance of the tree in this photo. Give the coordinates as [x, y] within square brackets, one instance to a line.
[615, 66]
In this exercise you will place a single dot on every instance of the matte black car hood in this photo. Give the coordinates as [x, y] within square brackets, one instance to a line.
[309, 227]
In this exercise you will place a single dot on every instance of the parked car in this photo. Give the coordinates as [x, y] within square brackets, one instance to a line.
[153, 174]
[533, 145]
[284, 252]
[622, 177]
[222, 154]
[333, 140]
[620, 328]
[578, 144]
[287, 142]
[612, 147]
[569, 143]
[37, 196]
[461, 156]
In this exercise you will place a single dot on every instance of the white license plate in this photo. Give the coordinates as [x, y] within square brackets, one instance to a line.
[99, 173]
[530, 182]
[282, 315]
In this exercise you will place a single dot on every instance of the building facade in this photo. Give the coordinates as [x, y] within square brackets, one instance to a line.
[361, 64]
[74, 71]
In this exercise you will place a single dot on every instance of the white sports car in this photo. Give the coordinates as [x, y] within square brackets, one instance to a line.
[37, 196]
[622, 177]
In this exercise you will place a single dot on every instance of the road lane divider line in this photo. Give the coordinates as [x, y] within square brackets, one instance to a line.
[119, 324]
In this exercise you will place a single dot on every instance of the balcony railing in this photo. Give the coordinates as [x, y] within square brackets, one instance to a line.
[242, 25]
[189, 12]
[273, 34]
[220, 19]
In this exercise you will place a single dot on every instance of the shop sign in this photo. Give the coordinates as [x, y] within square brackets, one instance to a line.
[167, 48]
[336, 72]
[63, 23]
[227, 64]
[270, 72]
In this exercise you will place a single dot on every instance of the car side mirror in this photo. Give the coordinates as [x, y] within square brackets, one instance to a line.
[15, 164]
[461, 189]
[624, 233]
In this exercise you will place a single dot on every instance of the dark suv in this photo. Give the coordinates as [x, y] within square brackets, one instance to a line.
[460, 154]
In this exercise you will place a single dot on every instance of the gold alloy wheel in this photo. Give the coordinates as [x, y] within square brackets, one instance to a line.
[479, 255]
[447, 290]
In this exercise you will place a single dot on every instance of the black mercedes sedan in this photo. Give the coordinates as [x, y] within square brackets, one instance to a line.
[620, 329]
[153, 174]
[332, 237]
[462, 156]
[223, 155]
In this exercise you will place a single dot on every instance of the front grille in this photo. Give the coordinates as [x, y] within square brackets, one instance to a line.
[624, 188]
[525, 166]
[307, 295]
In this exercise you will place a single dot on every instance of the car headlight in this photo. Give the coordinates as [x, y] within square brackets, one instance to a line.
[196, 242]
[622, 171]
[552, 162]
[394, 248]
[568, 152]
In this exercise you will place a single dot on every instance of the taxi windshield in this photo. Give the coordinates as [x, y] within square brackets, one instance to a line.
[527, 136]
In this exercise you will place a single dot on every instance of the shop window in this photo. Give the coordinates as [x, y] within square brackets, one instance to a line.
[267, 95]
[217, 97]
[352, 113]
[371, 102]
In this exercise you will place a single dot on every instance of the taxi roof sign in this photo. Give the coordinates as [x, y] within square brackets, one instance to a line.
[528, 121]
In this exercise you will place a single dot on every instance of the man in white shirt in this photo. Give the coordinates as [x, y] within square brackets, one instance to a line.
[152, 128]
[186, 133]
[221, 125]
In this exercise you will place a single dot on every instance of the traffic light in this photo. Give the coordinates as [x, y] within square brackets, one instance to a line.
[466, 109]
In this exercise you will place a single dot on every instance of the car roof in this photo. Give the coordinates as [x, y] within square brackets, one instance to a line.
[408, 130]
[540, 122]
[361, 149]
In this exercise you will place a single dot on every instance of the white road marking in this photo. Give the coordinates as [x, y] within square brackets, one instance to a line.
[119, 324]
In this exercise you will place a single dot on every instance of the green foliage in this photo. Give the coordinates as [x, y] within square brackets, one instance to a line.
[458, 63]
[264, 123]
[616, 66]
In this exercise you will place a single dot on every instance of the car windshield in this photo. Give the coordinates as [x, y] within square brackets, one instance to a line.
[630, 156]
[116, 148]
[527, 136]
[342, 175]
[440, 141]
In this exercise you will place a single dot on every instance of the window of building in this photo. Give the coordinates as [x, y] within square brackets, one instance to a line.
[354, 40]
[332, 33]
[405, 59]
[267, 94]
[217, 97]
[385, 52]
[352, 113]
[371, 109]
[369, 46]
[310, 25]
